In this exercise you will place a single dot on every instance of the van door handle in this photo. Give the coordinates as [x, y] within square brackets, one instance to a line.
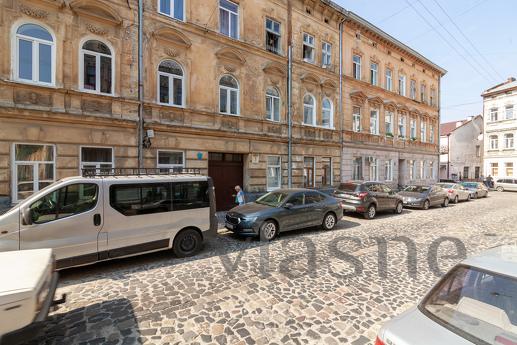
[97, 219]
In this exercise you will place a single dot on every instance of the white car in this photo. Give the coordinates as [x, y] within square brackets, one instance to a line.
[27, 291]
[475, 303]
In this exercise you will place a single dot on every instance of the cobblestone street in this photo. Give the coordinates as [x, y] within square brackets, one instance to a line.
[303, 288]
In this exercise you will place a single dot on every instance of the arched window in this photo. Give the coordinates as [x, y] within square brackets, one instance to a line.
[96, 67]
[170, 83]
[272, 104]
[228, 95]
[327, 113]
[309, 107]
[34, 54]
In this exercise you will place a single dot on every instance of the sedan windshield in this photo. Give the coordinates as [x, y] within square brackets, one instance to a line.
[470, 185]
[478, 305]
[274, 199]
[416, 189]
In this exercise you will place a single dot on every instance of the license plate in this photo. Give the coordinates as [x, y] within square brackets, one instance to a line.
[229, 226]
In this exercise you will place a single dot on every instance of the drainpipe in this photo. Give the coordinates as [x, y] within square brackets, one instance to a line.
[140, 130]
[439, 130]
[341, 115]
[289, 96]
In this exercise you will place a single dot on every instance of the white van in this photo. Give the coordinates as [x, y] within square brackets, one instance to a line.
[103, 216]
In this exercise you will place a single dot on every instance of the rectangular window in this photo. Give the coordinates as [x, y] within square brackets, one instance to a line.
[477, 172]
[272, 105]
[388, 170]
[190, 195]
[388, 119]
[229, 18]
[25, 59]
[478, 151]
[493, 115]
[357, 67]
[423, 131]
[374, 122]
[494, 142]
[308, 171]
[508, 141]
[465, 172]
[274, 173]
[431, 134]
[509, 112]
[33, 169]
[374, 72]
[431, 170]
[402, 127]
[412, 130]
[170, 161]
[356, 125]
[423, 93]
[171, 8]
[509, 169]
[273, 42]
[412, 170]
[326, 164]
[433, 98]
[402, 85]
[494, 169]
[326, 54]
[358, 168]
[374, 169]
[98, 158]
[422, 170]
[308, 48]
[389, 80]
[412, 89]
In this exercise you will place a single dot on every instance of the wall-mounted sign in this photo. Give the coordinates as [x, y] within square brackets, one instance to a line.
[200, 155]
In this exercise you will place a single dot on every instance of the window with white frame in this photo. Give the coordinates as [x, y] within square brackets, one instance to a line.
[431, 170]
[326, 165]
[172, 8]
[326, 54]
[98, 158]
[388, 119]
[412, 129]
[402, 85]
[357, 67]
[35, 55]
[272, 104]
[431, 134]
[308, 48]
[374, 169]
[402, 126]
[494, 169]
[229, 18]
[170, 83]
[508, 141]
[412, 169]
[33, 169]
[374, 121]
[389, 79]
[509, 169]
[170, 161]
[356, 119]
[388, 170]
[96, 67]
[509, 112]
[273, 42]
[308, 171]
[228, 95]
[433, 97]
[423, 131]
[423, 93]
[374, 73]
[274, 172]
[494, 142]
[309, 109]
[327, 113]
[422, 170]
[493, 115]
[357, 173]
[412, 89]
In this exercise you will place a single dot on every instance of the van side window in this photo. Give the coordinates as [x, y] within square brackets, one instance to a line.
[190, 195]
[139, 199]
[64, 202]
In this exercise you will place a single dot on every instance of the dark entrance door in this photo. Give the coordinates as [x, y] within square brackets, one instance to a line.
[226, 170]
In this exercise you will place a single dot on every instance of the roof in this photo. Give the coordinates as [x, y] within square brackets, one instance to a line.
[510, 83]
[502, 260]
[448, 127]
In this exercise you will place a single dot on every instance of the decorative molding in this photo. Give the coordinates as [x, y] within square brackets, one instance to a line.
[33, 12]
[96, 29]
[231, 55]
[171, 52]
[230, 68]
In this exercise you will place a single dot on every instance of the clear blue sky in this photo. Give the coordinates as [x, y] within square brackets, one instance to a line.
[490, 25]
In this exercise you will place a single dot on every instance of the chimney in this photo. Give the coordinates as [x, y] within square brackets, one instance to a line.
[459, 123]
[511, 79]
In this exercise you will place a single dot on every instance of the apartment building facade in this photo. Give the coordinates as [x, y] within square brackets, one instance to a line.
[215, 91]
[499, 107]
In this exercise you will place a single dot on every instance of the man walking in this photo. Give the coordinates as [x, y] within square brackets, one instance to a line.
[239, 197]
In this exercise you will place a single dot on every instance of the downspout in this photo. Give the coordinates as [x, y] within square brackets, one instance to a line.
[289, 96]
[439, 131]
[341, 115]
[140, 131]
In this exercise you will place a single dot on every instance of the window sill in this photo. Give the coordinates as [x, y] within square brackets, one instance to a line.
[33, 83]
[317, 126]
[228, 114]
[171, 17]
[172, 105]
[93, 92]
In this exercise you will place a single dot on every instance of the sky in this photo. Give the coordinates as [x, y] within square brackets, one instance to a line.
[482, 48]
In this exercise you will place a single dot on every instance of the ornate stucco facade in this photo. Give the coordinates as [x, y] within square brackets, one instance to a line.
[85, 112]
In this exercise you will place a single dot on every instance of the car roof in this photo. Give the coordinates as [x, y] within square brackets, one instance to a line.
[295, 190]
[502, 260]
[140, 178]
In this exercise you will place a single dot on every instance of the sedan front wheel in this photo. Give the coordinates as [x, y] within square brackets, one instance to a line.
[268, 230]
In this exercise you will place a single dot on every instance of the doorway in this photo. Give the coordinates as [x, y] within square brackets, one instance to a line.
[226, 171]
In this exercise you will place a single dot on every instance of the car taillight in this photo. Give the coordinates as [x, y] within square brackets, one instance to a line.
[450, 191]
[378, 341]
[362, 195]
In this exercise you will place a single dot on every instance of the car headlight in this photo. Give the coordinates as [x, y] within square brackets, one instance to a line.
[249, 219]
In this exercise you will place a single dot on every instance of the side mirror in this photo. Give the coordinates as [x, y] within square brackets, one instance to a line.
[27, 216]
[288, 206]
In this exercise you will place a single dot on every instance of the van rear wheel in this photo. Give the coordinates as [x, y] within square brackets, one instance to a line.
[187, 243]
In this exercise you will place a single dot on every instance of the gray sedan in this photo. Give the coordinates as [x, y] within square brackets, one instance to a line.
[284, 210]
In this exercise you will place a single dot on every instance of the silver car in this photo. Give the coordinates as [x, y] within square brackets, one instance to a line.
[475, 303]
[506, 184]
[477, 189]
[456, 192]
